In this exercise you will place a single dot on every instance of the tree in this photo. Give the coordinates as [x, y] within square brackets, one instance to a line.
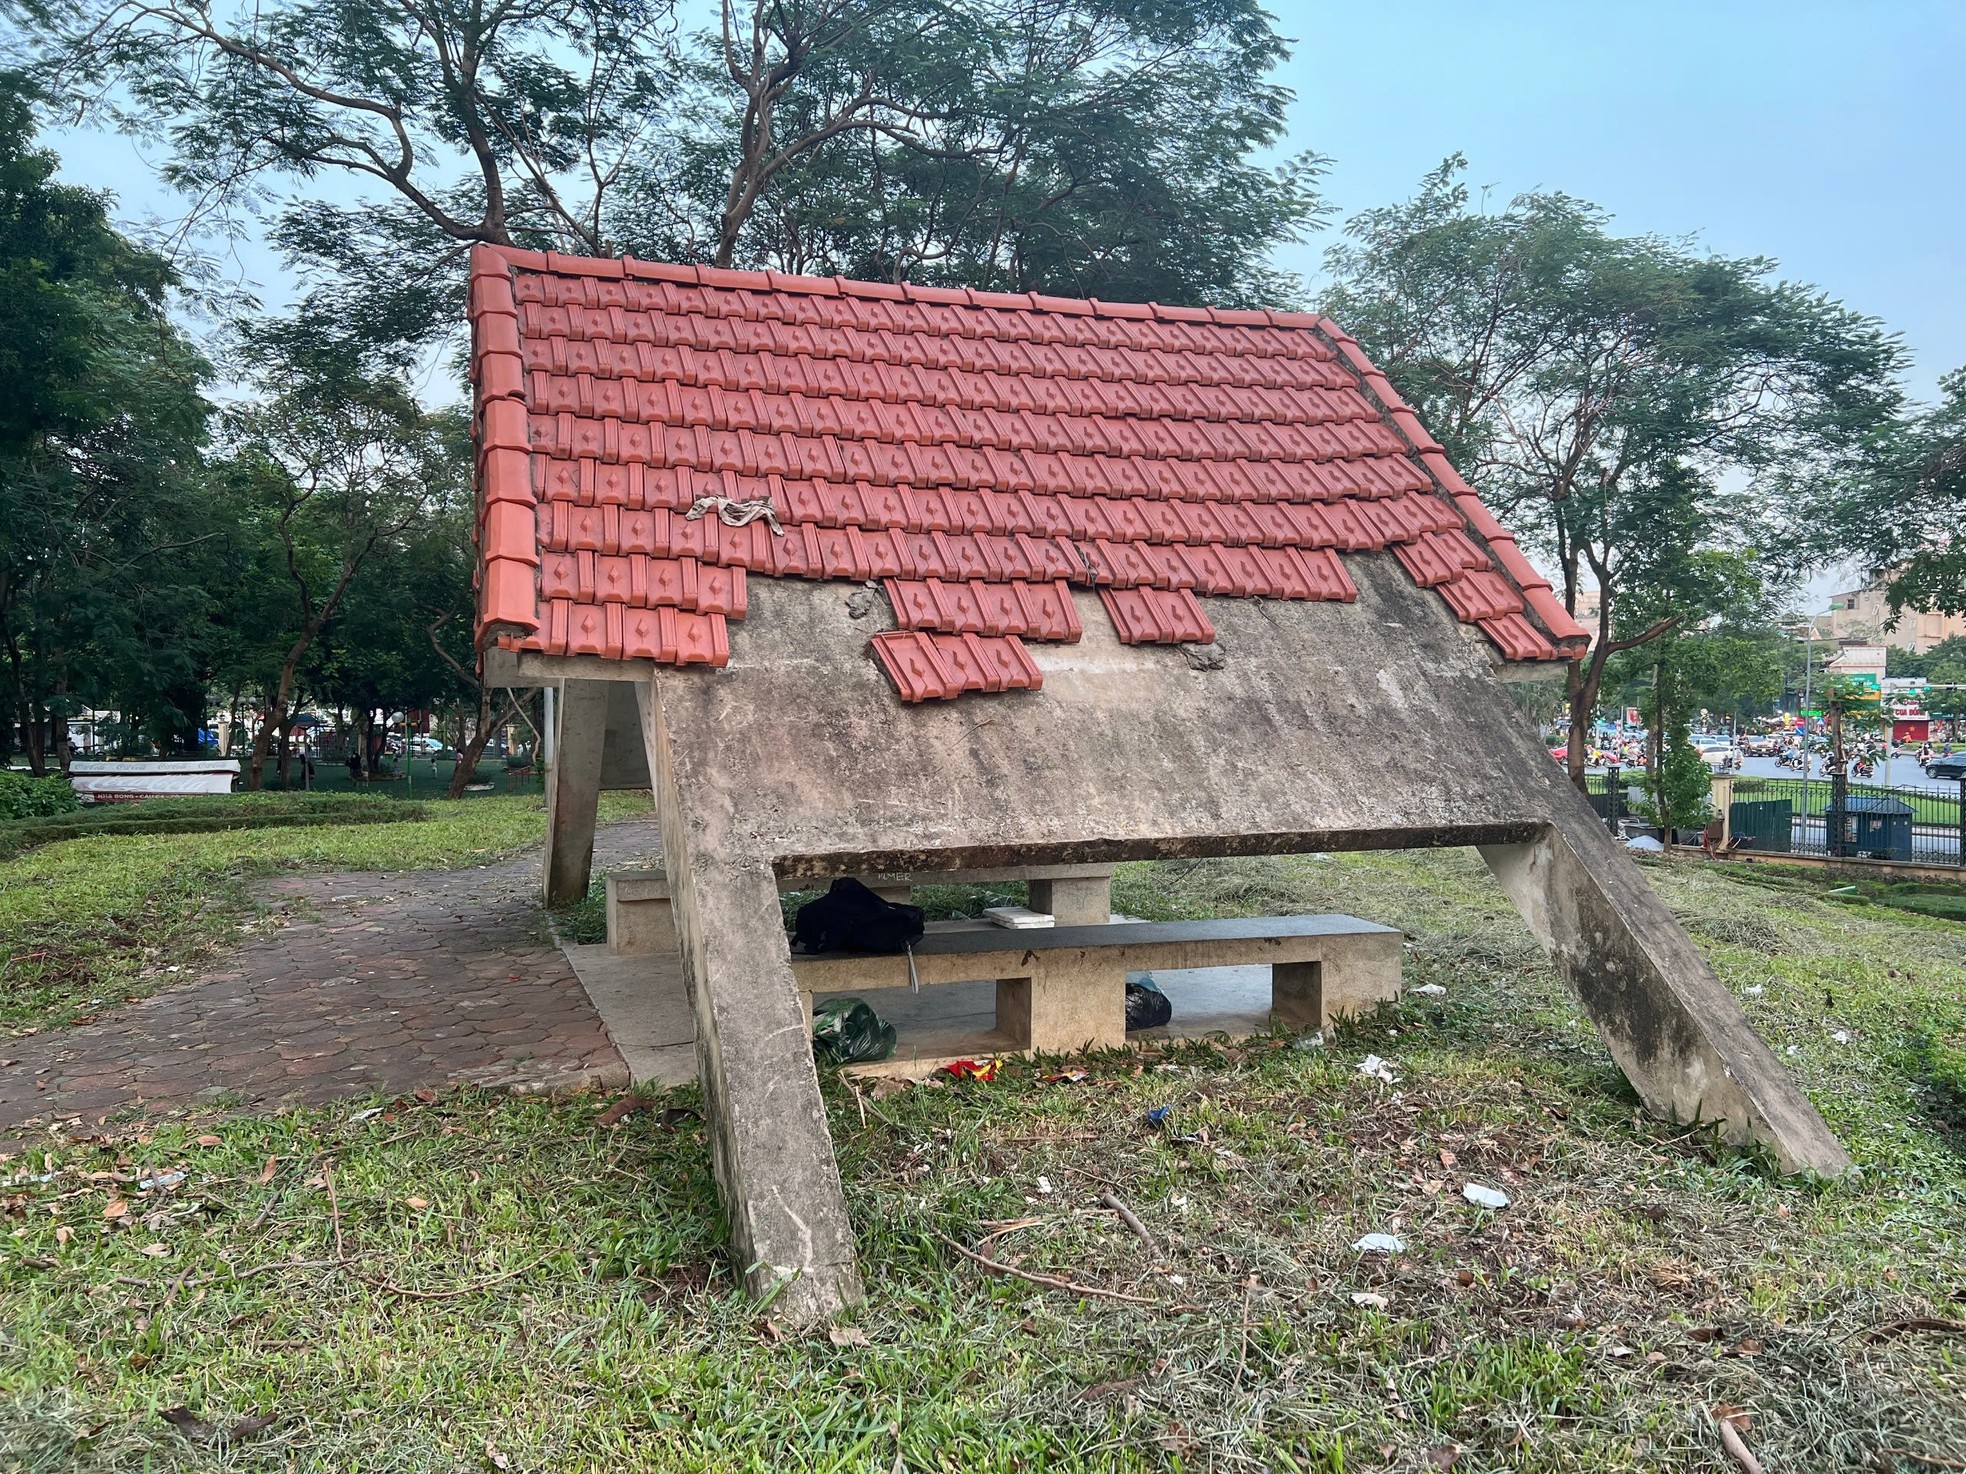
[1065, 145]
[104, 509]
[1627, 401]
[336, 467]
[404, 130]
[1089, 147]
[1907, 524]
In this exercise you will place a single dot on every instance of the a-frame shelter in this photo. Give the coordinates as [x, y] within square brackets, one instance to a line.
[877, 578]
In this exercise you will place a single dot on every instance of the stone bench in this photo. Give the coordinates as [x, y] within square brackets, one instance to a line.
[1062, 989]
[640, 921]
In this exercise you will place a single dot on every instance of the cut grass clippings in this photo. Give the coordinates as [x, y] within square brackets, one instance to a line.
[87, 923]
[468, 1282]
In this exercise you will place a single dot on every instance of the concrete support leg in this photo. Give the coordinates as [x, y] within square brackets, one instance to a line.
[1081, 901]
[573, 790]
[1062, 1010]
[1355, 976]
[1673, 1028]
[640, 920]
[769, 1141]
[1297, 994]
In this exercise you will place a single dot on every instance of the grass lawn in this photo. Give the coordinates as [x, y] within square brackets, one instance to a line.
[476, 1283]
[87, 923]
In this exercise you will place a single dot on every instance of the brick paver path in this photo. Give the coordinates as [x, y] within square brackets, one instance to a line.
[419, 980]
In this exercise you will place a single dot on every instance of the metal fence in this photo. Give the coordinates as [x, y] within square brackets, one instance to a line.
[1920, 825]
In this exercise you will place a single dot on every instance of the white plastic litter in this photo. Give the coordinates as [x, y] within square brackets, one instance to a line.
[369, 1114]
[1646, 844]
[1369, 1301]
[1841, 1036]
[1376, 1068]
[1019, 918]
[1754, 990]
[1428, 990]
[1381, 1243]
[1485, 1197]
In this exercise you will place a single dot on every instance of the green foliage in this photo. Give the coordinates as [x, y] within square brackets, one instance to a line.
[1903, 522]
[106, 522]
[1084, 146]
[344, 484]
[1679, 792]
[584, 922]
[25, 797]
[1607, 393]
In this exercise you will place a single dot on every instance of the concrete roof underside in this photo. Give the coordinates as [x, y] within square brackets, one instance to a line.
[1328, 726]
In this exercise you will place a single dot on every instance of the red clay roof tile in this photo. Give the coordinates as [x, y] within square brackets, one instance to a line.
[981, 451]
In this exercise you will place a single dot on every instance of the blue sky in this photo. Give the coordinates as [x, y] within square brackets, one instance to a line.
[1829, 136]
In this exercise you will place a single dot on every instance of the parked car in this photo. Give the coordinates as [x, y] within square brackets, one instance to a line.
[1718, 752]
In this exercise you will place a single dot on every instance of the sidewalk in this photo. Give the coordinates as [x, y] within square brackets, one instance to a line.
[374, 984]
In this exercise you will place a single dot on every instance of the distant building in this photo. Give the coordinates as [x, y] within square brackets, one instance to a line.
[1859, 662]
[1864, 615]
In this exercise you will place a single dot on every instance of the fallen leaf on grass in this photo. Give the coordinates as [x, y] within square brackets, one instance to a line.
[116, 1208]
[1100, 1391]
[64, 1234]
[1444, 1457]
[266, 1172]
[416, 1204]
[1369, 1300]
[209, 1141]
[846, 1336]
[621, 1110]
[889, 1086]
[155, 1251]
[496, 1459]
[199, 1431]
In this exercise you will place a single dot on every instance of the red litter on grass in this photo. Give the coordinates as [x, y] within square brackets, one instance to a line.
[972, 1069]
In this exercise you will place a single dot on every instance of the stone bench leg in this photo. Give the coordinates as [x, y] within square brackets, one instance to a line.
[1356, 976]
[1081, 901]
[1064, 1010]
[640, 927]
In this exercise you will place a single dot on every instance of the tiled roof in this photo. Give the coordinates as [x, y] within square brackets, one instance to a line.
[979, 452]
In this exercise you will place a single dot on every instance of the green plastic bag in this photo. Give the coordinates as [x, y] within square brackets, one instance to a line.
[851, 1032]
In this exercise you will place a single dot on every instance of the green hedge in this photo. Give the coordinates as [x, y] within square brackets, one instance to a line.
[25, 797]
[195, 816]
